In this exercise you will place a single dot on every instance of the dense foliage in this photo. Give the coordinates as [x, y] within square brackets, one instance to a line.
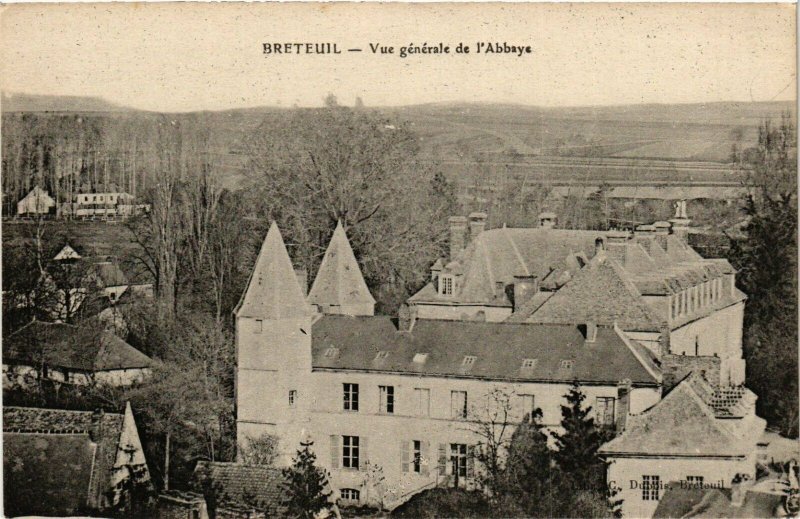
[767, 262]
[307, 492]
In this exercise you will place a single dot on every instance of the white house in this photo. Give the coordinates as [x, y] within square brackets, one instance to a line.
[37, 202]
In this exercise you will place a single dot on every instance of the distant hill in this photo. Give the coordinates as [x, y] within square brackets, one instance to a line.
[14, 102]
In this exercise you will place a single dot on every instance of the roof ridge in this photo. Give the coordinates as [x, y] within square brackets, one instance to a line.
[517, 253]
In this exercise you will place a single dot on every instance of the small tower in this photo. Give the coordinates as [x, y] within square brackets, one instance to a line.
[680, 222]
[273, 347]
[339, 287]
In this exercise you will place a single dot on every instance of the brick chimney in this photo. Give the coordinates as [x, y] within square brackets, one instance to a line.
[458, 238]
[524, 288]
[590, 333]
[477, 224]
[616, 242]
[661, 232]
[547, 220]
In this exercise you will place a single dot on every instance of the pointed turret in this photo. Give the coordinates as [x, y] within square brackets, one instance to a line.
[273, 291]
[339, 287]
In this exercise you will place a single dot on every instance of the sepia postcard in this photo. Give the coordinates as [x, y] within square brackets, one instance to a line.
[364, 260]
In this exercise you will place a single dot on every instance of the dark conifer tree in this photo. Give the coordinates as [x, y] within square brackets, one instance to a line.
[306, 484]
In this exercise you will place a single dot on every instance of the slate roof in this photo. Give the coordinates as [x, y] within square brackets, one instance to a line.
[273, 291]
[599, 293]
[500, 254]
[339, 280]
[86, 347]
[686, 423]
[500, 349]
[52, 464]
[234, 481]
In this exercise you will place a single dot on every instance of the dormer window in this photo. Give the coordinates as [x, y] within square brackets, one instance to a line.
[332, 352]
[528, 363]
[420, 358]
[567, 364]
[381, 355]
[446, 285]
[468, 361]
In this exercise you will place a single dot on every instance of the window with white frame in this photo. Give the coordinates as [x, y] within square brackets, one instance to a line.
[446, 284]
[458, 404]
[350, 397]
[386, 404]
[422, 397]
[650, 488]
[350, 452]
[350, 494]
[458, 459]
[604, 409]
[416, 461]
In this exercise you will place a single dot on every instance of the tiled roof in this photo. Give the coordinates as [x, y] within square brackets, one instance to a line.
[273, 291]
[53, 464]
[339, 280]
[234, 481]
[87, 347]
[685, 423]
[599, 293]
[359, 339]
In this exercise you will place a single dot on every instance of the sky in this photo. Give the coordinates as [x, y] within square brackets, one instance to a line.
[185, 57]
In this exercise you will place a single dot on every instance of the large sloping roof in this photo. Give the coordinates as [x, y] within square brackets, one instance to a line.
[691, 421]
[109, 274]
[55, 462]
[87, 347]
[339, 280]
[236, 481]
[273, 291]
[599, 293]
[499, 348]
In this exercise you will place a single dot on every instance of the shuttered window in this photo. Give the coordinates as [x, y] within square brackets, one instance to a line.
[458, 404]
[414, 456]
[335, 451]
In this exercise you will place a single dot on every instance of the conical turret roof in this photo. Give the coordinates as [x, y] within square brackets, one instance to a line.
[339, 281]
[273, 291]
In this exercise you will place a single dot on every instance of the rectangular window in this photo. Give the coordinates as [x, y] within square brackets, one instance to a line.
[417, 461]
[350, 452]
[351, 397]
[259, 325]
[458, 404]
[650, 488]
[350, 494]
[447, 285]
[292, 397]
[526, 403]
[422, 396]
[386, 404]
[458, 459]
[604, 407]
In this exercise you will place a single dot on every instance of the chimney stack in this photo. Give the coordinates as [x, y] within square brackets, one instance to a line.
[591, 332]
[524, 288]
[477, 224]
[547, 220]
[624, 403]
[661, 233]
[458, 229]
[644, 235]
[599, 246]
[616, 242]
[680, 222]
[406, 318]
